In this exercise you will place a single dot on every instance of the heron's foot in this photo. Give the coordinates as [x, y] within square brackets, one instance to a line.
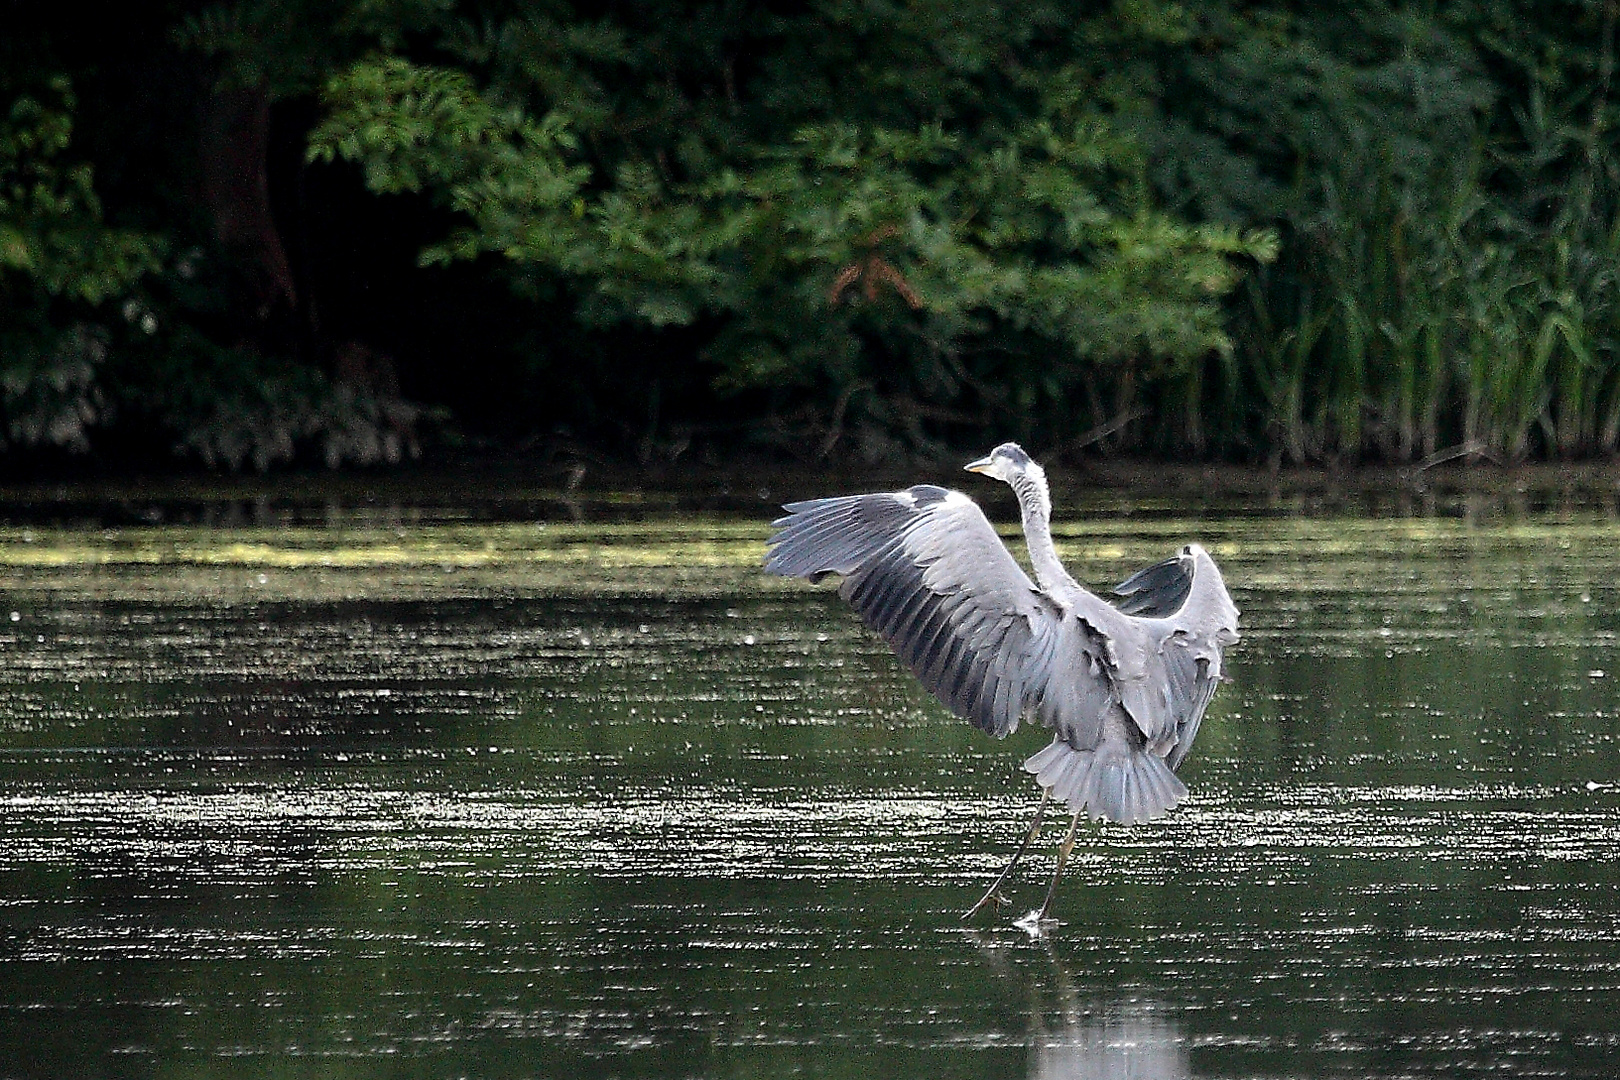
[1035, 923]
[993, 895]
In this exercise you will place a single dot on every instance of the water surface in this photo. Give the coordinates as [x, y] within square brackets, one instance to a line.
[405, 792]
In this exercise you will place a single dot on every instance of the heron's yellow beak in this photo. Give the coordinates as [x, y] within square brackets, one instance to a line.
[980, 466]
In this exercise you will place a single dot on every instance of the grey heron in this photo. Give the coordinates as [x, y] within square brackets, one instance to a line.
[1123, 687]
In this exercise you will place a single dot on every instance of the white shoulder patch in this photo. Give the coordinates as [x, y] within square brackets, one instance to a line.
[956, 498]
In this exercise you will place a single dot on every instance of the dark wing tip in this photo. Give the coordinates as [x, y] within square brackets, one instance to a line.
[1156, 591]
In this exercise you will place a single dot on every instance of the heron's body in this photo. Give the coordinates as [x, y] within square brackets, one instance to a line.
[1122, 688]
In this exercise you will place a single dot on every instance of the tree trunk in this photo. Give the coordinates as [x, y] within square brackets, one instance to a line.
[236, 188]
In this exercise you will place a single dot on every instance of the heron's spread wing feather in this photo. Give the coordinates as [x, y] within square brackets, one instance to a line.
[1192, 641]
[1155, 591]
[1164, 646]
[925, 570]
[1191, 689]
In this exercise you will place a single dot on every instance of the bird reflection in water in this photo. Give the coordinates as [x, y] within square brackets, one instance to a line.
[1095, 1036]
[1129, 1040]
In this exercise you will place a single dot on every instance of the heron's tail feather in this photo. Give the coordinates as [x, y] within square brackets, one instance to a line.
[1124, 787]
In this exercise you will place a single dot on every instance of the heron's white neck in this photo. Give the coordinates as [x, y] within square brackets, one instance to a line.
[1035, 506]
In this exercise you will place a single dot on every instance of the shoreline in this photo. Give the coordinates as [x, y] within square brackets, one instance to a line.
[515, 488]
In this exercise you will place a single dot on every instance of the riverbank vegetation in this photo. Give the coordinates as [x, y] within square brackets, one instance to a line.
[1268, 233]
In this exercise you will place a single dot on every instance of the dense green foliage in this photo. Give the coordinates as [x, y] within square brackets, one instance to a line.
[58, 261]
[1257, 231]
[870, 265]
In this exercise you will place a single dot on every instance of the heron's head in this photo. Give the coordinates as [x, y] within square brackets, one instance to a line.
[1005, 462]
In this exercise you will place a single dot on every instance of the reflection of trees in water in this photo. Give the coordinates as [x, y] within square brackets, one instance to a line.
[1096, 1036]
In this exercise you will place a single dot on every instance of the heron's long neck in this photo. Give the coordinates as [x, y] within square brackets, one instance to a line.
[1035, 505]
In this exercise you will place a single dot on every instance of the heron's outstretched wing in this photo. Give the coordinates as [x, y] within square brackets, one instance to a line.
[925, 570]
[1168, 639]
[1202, 628]
[1189, 689]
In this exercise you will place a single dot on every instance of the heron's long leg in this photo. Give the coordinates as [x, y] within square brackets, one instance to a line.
[1062, 859]
[1034, 827]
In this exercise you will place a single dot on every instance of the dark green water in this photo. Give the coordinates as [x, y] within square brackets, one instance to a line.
[393, 794]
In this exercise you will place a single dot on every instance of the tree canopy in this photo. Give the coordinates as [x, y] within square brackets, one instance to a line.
[258, 232]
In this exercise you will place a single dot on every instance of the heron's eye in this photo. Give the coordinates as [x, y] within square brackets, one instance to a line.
[1187, 550]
